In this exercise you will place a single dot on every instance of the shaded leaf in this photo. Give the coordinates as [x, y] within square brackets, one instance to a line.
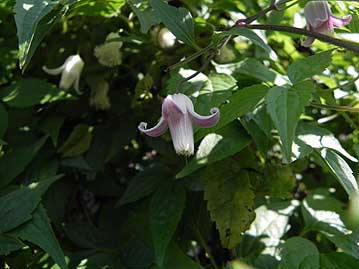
[16, 207]
[15, 162]
[176, 259]
[299, 253]
[3, 120]
[230, 200]
[78, 142]
[144, 183]
[39, 231]
[166, 209]
[28, 92]
[338, 260]
[52, 126]
[8, 244]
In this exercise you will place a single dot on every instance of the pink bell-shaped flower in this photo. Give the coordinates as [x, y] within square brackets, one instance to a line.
[178, 115]
[320, 19]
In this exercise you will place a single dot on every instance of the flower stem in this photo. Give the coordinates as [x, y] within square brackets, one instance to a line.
[261, 13]
[335, 107]
[288, 29]
[208, 60]
[206, 248]
[190, 58]
[352, 81]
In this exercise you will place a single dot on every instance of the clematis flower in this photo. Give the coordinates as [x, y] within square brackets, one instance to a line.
[178, 114]
[70, 72]
[166, 39]
[109, 54]
[320, 19]
[99, 96]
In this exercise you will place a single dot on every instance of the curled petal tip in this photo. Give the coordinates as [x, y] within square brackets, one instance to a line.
[308, 42]
[339, 22]
[158, 130]
[214, 110]
[206, 121]
[142, 126]
[54, 71]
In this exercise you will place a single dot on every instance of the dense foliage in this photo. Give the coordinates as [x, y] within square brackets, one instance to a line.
[271, 185]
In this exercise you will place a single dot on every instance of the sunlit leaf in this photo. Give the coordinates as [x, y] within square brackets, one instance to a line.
[178, 20]
[285, 105]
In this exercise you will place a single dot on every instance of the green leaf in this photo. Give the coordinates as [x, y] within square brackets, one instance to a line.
[84, 235]
[166, 209]
[260, 138]
[105, 8]
[241, 102]
[271, 224]
[14, 162]
[78, 142]
[16, 207]
[285, 105]
[248, 33]
[341, 170]
[337, 260]
[145, 14]
[325, 215]
[309, 66]
[215, 91]
[176, 259]
[279, 181]
[28, 14]
[8, 244]
[39, 232]
[52, 126]
[29, 92]
[178, 20]
[144, 183]
[215, 147]
[230, 200]
[299, 253]
[251, 68]
[318, 138]
[3, 120]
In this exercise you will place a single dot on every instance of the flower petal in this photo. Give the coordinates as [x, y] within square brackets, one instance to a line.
[67, 80]
[156, 131]
[77, 85]
[171, 108]
[205, 121]
[182, 134]
[308, 42]
[339, 22]
[317, 12]
[54, 71]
